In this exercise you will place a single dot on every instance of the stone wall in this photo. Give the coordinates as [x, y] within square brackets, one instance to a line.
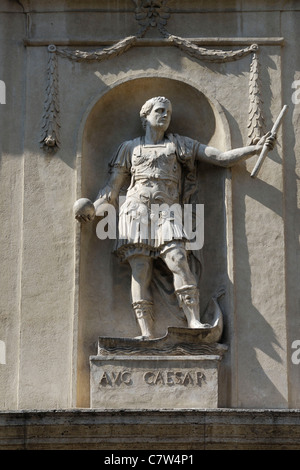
[58, 289]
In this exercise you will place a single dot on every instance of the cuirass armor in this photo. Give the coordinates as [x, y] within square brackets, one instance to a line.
[151, 217]
[156, 174]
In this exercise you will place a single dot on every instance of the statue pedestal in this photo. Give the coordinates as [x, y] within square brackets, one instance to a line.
[155, 374]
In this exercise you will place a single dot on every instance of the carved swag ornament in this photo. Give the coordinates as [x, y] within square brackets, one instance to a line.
[149, 14]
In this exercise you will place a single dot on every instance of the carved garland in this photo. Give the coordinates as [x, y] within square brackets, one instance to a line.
[149, 14]
[50, 127]
[256, 123]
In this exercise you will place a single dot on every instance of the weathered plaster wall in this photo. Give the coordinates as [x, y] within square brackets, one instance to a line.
[12, 118]
[41, 322]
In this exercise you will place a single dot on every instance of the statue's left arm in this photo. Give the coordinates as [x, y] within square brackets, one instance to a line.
[231, 157]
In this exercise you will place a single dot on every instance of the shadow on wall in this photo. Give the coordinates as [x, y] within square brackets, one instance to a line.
[253, 333]
[255, 380]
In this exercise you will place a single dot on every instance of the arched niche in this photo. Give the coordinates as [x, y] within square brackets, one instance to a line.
[104, 303]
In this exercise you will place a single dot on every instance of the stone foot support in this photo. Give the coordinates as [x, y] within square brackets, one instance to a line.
[188, 299]
[144, 314]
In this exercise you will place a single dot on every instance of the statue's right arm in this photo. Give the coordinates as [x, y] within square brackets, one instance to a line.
[119, 171]
[86, 210]
[110, 192]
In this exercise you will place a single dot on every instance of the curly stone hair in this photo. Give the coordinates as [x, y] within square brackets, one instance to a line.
[147, 107]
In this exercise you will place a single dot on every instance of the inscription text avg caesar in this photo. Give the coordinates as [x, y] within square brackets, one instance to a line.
[153, 378]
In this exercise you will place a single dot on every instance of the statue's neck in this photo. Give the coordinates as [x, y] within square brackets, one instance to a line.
[154, 136]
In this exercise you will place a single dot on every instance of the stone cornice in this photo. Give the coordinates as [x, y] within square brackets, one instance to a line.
[88, 429]
[158, 42]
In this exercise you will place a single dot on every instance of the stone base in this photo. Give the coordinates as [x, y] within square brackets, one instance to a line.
[154, 382]
[178, 370]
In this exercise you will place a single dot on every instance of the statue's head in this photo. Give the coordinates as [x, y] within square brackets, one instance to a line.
[150, 104]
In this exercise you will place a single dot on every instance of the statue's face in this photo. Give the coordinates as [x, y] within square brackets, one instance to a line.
[160, 116]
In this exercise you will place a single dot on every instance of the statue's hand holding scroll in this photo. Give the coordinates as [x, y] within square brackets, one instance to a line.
[265, 148]
[268, 139]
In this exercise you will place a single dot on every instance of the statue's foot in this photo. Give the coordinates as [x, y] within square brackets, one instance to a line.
[144, 337]
[197, 324]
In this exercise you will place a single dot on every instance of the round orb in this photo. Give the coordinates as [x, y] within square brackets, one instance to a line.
[85, 207]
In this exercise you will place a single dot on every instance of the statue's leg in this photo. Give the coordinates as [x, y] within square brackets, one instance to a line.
[141, 267]
[185, 285]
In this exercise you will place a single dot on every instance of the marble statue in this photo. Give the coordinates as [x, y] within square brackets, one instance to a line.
[161, 167]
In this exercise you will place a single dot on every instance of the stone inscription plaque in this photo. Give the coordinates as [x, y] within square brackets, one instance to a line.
[154, 382]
